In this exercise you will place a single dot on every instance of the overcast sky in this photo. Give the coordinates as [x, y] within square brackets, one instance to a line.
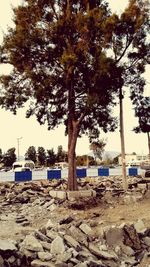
[13, 127]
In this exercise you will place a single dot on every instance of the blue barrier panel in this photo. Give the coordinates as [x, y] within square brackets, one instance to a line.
[81, 173]
[54, 174]
[133, 171]
[103, 172]
[23, 176]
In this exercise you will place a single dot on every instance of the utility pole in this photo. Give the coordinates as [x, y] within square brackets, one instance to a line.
[124, 175]
[18, 144]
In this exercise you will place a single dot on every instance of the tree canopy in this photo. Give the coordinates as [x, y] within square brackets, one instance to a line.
[63, 67]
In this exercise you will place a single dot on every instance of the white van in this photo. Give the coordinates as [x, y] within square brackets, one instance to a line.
[25, 165]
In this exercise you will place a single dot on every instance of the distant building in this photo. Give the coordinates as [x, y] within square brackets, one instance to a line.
[129, 158]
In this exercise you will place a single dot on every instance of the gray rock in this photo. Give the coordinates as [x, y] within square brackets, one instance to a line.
[114, 237]
[147, 241]
[46, 245]
[140, 227]
[127, 250]
[78, 235]
[81, 265]
[44, 256]
[7, 245]
[51, 234]
[42, 237]
[57, 246]
[50, 224]
[64, 257]
[72, 242]
[1, 261]
[39, 263]
[103, 254]
[86, 229]
[31, 243]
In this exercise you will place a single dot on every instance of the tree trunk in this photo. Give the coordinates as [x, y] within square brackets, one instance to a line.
[124, 176]
[72, 140]
[148, 135]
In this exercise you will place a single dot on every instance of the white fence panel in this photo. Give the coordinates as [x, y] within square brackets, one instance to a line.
[64, 173]
[92, 172]
[7, 176]
[39, 175]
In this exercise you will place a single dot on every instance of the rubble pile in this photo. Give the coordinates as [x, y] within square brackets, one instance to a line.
[70, 243]
[71, 240]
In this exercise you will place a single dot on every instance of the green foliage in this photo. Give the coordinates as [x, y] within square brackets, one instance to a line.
[142, 112]
[9, 157]
[51, 157]
[85, 160]
[61, 154]
[98, 148]
[56, 51]
[31, 154]
[41, 154]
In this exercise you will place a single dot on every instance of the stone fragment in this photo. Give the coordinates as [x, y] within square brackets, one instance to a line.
[78, 235]
[64, 257]
[79, 194]
[86, 229]
[42, 237]
[114, 237]
[7, 245]
[139, 227]
[51, 234]
[103, 254]
[49, 224]
[46, 245]
[39, 263]
[44, 256]
[31, 243]
[52, 207]
[66, 220]
[84, 264]
[147, 241]
[72, 242]
[131, 237]
[57, 246]
[127, 250]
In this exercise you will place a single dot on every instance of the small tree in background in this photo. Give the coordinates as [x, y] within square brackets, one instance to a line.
[31, 154]
[41, 155]
[142, 112]
[61, 154]
[9, 157]
[98, 148]
[51, 157]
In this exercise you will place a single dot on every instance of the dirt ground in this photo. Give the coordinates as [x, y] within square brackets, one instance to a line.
[114, 212]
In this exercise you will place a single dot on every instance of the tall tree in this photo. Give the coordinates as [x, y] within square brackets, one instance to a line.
[9, 157]
[31, 154]
[41, 155]
[142, 112]
[59, 50]
[130, 50]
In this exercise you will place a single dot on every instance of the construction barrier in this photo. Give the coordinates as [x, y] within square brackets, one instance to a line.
[50, 174]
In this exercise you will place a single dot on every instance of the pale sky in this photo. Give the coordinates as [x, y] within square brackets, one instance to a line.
[13, 127]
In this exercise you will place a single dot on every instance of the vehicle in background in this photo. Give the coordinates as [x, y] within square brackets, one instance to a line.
[25, 165]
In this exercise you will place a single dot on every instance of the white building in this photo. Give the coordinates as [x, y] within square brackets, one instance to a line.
[129, 158]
